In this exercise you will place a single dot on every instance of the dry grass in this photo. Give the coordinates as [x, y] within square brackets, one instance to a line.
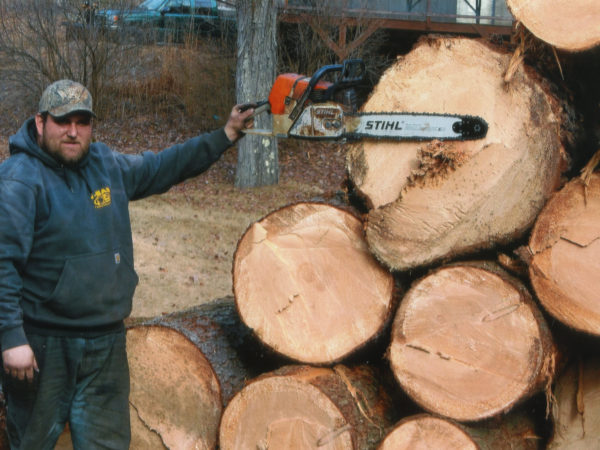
[193, 82]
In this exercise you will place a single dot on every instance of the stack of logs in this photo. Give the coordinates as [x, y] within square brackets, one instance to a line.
[454, 311]
[451, 312]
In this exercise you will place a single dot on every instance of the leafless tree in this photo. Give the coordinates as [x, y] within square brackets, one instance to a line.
[258, 163]
[45, 40]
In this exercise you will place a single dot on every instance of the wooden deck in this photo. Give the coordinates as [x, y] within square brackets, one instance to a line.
[445, 16]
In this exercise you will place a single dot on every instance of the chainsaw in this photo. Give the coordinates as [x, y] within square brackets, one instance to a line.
[313, 108]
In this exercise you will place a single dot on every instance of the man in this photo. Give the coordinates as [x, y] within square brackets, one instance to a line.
[66, 267]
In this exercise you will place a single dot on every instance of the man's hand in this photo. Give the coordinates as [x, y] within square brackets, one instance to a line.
[19, 362]
[238, 121]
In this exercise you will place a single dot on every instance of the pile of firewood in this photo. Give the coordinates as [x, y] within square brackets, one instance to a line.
[449, 303]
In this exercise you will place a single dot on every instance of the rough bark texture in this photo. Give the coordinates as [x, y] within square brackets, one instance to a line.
[517, 430]
[306, 284]
[175, 397]
[435, 200]
[565, 244]
[571, 25]
[258, 163]
[308, 407]
[576, 412]
[469, 343]
[231, 348]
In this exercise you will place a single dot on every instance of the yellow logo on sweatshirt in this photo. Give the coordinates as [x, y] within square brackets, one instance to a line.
[101, 197]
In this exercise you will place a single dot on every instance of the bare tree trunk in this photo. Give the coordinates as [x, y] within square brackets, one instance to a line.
[258, 162]
[469, 343]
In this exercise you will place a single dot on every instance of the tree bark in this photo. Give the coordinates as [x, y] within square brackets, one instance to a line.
[576, 412]
[233, 351]
[308, 407]
[437, 200]
[258, 163]
[306, 284]
[565, 244]
[469, 343]
[571, 25]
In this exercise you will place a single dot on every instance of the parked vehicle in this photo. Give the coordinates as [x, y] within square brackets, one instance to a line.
[159, 20]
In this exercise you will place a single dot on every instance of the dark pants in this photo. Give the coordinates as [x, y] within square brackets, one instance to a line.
[83, 381]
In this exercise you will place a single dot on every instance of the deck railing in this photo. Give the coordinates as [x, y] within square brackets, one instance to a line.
[440, 15]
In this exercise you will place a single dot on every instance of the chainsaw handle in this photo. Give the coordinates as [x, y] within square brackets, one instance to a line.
[256, 105]
[352, 72]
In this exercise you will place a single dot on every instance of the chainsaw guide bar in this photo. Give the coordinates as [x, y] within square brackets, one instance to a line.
[315, 109]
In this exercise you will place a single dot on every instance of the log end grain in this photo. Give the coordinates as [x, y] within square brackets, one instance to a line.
[175, 394]
[306, 284]
[571, 25]
[565, 243]
[427, 432]
[468, 343]
[432, 201]
[308, 407]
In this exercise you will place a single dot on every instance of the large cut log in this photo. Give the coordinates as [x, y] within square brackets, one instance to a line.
[576, 411]
[571, 25]
[425, 431]
[565, 244]
[435, 200]
[306, 284]
[309, 408]
[175, 397]
[469, 343]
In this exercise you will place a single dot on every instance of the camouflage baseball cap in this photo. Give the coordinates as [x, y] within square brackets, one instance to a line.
[65, 97]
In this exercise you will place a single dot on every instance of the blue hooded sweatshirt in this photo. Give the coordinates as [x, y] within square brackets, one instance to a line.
[66, 251]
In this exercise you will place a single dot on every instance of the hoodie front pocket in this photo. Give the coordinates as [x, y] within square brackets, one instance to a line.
[98, 287]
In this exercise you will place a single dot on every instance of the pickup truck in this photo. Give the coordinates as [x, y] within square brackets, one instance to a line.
[158, 20]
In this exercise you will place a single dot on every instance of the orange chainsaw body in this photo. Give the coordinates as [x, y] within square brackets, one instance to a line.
[288, 87]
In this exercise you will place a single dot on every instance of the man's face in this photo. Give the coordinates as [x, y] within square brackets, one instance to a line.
[67, 139]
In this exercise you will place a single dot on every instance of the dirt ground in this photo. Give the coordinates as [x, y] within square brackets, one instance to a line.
[185, 239]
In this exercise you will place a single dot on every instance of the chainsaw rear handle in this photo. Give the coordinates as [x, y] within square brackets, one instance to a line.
[352, 73]
[256, 105]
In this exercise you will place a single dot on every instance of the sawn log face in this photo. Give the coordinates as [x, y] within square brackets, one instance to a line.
[308, 407]
[434, 201]
[571, 25]
[469, 343]
[565, 244]
[306, 284]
